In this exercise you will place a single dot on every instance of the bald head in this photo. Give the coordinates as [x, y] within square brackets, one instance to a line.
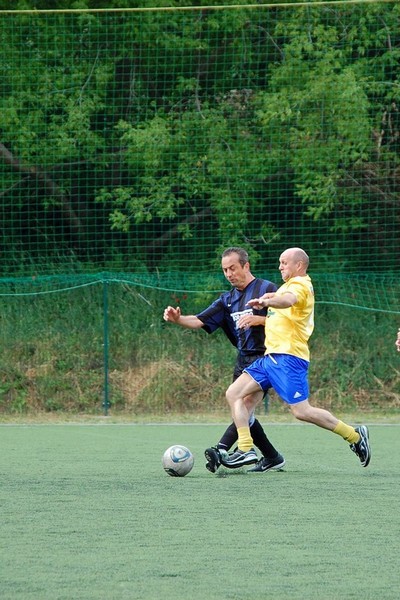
[298, 255]
[293, 262]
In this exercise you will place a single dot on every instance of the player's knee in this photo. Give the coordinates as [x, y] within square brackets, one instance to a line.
[300, 411]
[230, 396]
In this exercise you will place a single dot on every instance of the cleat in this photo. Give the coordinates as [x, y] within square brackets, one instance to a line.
[240, 459]
[213, 457]
[362, 448]
[266, 464]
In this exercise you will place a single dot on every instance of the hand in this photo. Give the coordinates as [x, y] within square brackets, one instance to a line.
[251, 320]
[256, 303]
[259, 303]
[398, 341]
[246, 321]
[172, 314]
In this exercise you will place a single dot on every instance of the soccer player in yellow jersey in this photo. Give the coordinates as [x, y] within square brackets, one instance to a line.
[288, 326]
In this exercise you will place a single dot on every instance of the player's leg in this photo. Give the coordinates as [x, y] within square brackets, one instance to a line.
[318, 416]
[228, 438]
[270, 459]
[242, 396]
[289, 377]
[216, 454]
[357, 437]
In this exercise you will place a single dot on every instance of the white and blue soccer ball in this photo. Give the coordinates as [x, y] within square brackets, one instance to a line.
[177, 461]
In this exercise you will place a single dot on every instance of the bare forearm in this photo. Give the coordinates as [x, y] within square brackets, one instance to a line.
[189, 321]
[284, 301]
[174, 315]
[274, 301]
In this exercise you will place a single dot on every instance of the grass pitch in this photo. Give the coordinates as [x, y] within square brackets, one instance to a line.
[87, 512]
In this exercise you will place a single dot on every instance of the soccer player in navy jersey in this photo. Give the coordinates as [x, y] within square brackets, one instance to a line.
[244, 327]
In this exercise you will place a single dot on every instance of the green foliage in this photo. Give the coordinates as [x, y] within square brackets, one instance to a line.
[321, 119]
[132, 138]
[53, 356]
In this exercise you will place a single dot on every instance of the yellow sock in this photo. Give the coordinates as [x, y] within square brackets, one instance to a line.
[347, 432]
[245, 441]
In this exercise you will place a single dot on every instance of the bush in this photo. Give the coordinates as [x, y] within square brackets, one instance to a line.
[54, 357]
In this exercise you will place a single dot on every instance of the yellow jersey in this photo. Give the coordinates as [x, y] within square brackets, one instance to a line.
[287, 330]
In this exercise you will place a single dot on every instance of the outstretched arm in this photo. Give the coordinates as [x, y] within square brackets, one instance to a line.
[174, 315]
[273, 300]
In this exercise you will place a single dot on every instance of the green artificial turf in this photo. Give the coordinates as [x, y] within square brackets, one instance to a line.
[87, 512]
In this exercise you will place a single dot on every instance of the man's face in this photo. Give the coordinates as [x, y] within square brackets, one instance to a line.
[288, 266]
[236, 274]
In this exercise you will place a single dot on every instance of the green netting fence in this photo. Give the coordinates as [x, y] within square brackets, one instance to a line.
[137, 143]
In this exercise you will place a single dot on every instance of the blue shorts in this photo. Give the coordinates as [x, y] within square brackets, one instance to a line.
[287, 374]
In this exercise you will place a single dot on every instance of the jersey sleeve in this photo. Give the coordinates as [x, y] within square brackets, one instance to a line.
[213, 316]
[300, 290]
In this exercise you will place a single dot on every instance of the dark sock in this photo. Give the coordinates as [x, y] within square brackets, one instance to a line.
[261, 441]
[229, 438]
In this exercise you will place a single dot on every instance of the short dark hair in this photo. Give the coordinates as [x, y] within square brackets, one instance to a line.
[241, 252]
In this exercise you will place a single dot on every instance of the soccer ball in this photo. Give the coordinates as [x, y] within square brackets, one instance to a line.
[177, 461]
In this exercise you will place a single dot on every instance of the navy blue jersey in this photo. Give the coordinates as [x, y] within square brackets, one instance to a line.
[230, 306]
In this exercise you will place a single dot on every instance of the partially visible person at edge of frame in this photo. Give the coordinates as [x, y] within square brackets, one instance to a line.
[398, 340]
[289, 325]
[244, 327]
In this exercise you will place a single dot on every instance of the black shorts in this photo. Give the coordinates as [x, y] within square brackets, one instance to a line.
[243, 361]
